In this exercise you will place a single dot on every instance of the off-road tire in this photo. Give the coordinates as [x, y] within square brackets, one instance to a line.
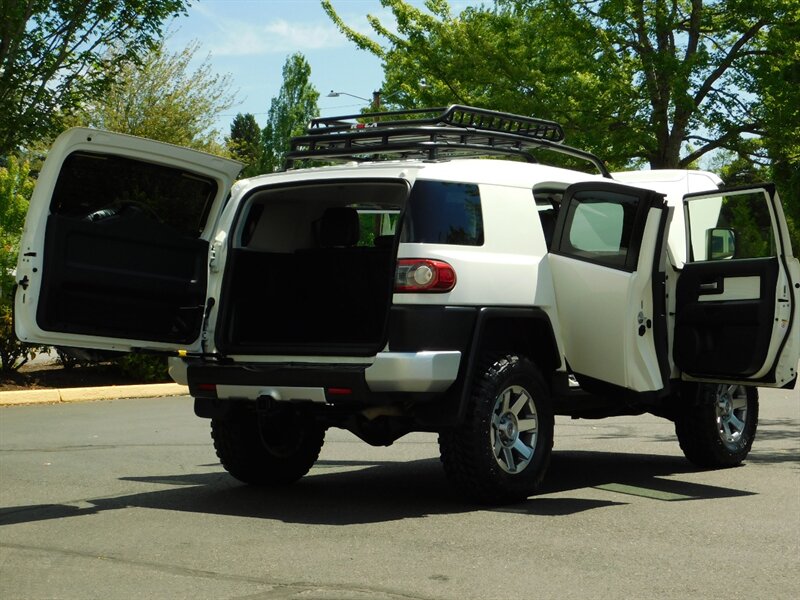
[259, 450]
[716, 423]
[480, 457]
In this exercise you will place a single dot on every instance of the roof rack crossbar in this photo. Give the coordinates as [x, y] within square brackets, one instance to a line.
[434, 133]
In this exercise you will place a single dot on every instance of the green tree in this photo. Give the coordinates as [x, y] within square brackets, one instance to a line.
[777, 75]
[633, 80]
[54, 56]
[163, 98]
[289, 112]
[16, 187]
[244, 143]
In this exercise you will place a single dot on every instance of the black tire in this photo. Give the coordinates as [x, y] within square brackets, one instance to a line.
[486, 457]
[261, 450]
[716, 423]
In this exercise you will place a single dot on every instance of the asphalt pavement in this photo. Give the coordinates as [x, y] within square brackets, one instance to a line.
[126, 500]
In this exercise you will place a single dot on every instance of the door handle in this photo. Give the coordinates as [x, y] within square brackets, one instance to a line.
[714, 286]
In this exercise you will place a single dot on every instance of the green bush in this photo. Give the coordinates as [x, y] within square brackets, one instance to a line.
[13, 353]
[147, 368]
[16, 187]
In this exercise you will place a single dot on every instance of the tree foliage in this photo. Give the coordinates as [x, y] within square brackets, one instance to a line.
[16, 187]
[777, 74]
[289, 112]
[244, 143]
[163, 98]
[54, 56]
[632, 80]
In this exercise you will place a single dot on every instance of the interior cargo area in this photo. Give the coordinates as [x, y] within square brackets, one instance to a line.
[311, 268]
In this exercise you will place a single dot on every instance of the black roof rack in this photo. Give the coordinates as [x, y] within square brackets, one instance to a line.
[432, 133]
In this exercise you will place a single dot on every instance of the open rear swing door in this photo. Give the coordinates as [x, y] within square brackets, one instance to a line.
[737, 314]
[115, 251]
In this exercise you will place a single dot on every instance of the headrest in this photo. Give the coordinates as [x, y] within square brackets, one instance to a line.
[338, 227]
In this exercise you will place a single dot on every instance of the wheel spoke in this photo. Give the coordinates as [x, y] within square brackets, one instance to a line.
[732, 389]
[496, 420]
[523, 449]
[527, 425]
[739, 402]
[498, 446]
[735, 423]
[509, 458]
[506, 400]
[520, 402]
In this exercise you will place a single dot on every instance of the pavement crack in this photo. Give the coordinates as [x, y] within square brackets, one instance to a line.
[306, 590]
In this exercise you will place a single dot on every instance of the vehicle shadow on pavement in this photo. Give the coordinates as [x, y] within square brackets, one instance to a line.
[371, 492]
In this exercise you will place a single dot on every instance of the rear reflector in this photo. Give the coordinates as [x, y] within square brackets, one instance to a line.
[423, 275]
[339, 391]
[204, 390]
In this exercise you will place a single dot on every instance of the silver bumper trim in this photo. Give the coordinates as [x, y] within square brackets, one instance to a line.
[429, 371]
[279, 394]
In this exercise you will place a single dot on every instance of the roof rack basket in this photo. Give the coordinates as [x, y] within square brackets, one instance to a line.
[432, 133]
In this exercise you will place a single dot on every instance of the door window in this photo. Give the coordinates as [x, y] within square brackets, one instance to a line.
[600, 227]
[736, 225]
[97, 188]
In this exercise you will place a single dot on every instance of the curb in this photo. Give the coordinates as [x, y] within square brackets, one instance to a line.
[88, 394]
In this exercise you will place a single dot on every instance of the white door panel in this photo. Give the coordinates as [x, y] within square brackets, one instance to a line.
[594, 337]
[607, 248]
[114, 254]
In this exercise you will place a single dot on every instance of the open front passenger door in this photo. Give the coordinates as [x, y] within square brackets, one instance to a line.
[737, 314]
[114, 255]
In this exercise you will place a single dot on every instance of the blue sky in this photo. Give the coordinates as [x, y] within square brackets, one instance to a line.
[250, 40]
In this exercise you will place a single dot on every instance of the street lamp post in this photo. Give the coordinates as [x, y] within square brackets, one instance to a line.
[376, 97]
[333, 94]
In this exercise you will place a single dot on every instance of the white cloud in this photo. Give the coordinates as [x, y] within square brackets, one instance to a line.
[235, 28]
[254, 31]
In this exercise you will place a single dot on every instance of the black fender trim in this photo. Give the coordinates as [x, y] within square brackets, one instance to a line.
[509, 329]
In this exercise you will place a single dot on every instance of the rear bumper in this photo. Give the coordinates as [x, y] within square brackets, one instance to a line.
[426, 372]
[429, 371]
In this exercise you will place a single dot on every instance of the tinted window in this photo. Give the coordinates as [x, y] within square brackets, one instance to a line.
[441, 212]
[96, 187]
[599, 227]
[731, 227]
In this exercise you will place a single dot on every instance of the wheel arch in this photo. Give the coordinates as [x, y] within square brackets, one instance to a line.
[524, 331]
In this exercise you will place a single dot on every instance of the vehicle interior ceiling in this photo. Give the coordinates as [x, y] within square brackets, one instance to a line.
[312, 265]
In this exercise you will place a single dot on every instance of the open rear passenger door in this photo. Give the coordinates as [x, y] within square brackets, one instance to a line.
[607, 259]
[114, 255]
[737, 310]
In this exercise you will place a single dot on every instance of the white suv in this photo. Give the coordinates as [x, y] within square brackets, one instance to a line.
[418, 287]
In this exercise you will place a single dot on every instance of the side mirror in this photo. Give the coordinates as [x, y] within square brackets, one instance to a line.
[720, 243]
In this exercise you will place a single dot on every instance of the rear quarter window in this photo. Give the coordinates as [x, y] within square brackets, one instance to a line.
[442, 212]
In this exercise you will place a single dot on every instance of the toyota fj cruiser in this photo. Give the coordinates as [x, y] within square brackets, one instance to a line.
[419, 286]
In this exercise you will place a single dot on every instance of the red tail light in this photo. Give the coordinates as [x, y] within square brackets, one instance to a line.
[423, 275]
